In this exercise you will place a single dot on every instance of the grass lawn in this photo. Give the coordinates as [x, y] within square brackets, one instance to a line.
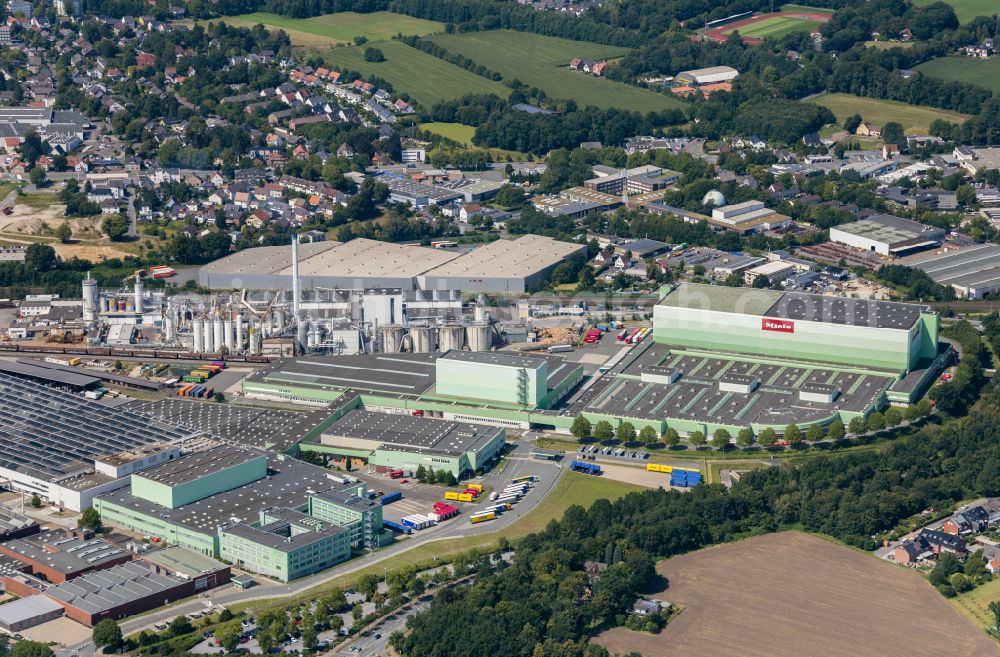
[454, 131]
[982, 72]
[889, 45]
[915, 120]
[542, 62]
[966, 10]
[426, 79]
[342, 27]
[574, 488]
[973, 604]
[777, 26]
[38, 200]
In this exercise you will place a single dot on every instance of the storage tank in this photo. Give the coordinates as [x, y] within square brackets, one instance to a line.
[90, 300]
[451, 336]
[279, 320]
[479, 337]
[228, 336]
[313, 338]
[392, 338]
[301, 334]
[218, 335]
[240, 332]
[422, 339]
[482, 315]
[254, 342]
[209, 335]
[130, 305]
[198, 335]
[121, 305]
[139, 291]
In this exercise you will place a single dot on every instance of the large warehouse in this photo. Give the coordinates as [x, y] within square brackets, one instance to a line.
[887, 235]
[893, 336]
[500, 266]
[68, 449]
[973, 271]
[389, 441]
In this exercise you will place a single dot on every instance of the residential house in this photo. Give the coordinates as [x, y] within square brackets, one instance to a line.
[866, 129]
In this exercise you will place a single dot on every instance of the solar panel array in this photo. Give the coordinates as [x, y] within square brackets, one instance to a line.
[51, 434]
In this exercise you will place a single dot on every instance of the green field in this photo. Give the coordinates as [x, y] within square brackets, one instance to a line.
[982, 72]
[825, 10]
[341, 27]
[974, 604]
[966, 10]
[453, 131]
[426, 79]
[776, 26]
[915, 120]
[542, 62]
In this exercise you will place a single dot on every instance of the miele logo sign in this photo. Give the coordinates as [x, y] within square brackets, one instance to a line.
[779, 325]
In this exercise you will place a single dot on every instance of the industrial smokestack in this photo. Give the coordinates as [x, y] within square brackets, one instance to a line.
[295, 276]
[89, 300]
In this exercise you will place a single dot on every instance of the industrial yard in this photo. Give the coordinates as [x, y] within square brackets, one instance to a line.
[792, 594]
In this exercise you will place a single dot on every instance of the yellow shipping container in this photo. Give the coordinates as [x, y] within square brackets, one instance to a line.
[452, 496]
[465, 497]
[75, 360]
[482, 517]
[478, 487]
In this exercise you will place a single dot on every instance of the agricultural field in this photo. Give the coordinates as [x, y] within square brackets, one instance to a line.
[793, 594]
[975, 604]
[775, 26]
[542, 62]
[331, 29]
[966, 10]
[426, 79]
[982, 72]
[915, 120]
[458, 132]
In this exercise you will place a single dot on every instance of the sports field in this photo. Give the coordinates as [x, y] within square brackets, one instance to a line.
[426, 79]
[982, 72]
[966, 10]
[798, 595]
[341, 27]
[915, 120]
[775, 26]
[542, 62]
[458, 132]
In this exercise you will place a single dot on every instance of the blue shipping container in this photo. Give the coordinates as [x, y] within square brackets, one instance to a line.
[395, 526]
[390, 498]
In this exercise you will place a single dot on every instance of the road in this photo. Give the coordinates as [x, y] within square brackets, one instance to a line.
[378, 638]
[518, 463]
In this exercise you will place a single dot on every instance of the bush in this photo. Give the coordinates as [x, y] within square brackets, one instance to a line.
[374, 55]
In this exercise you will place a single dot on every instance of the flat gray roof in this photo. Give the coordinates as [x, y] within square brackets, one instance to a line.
[407, 432]
[523, 257]
[196, 465]
[505, 358]
[39, 372]
[720, 298]
[410, 374]
[287, 485]
[973, 267]
[64, 553]
[272, 535]
[53, 435]
[18, 611]
[106, 589]
[889, 229]
[845, 311]
[177, 559]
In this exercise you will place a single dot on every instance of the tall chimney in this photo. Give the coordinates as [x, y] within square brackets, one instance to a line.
[295, 276]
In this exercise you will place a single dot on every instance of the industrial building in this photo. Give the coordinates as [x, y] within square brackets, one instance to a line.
[246, 505]
[748, 217]
[973, 271]
[58, 555]
[64, 447]
[887, 235]
[389, 441]
[501, 266]
[710, 75]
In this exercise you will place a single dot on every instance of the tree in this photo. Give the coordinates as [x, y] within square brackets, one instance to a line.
[965, 195]
[367, 585]
[115, 226]
[852, 122]
[27, 648]
[792, 434]
[721, 438]
[892, 133]
[64, 232]
[219, 397]
[836, 430]
[265, 642]
[893, 416]
[994, 608]
[180, 626]
[875, 422]
[37, 177]
[36, 501]
[581, 427]
[671, 437]
[625, 432]
[91, 519]
[421, 474]
[768, 437]
[603, 430]
[697, 438]
[857, 425]
[449, 478]
[814, 433]
[648, 435]
[744, 438]
[374, 55]
[40, 258]
[229, 636]
[107, 634]
[309, 637]
[357, 613]
[336, 622]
